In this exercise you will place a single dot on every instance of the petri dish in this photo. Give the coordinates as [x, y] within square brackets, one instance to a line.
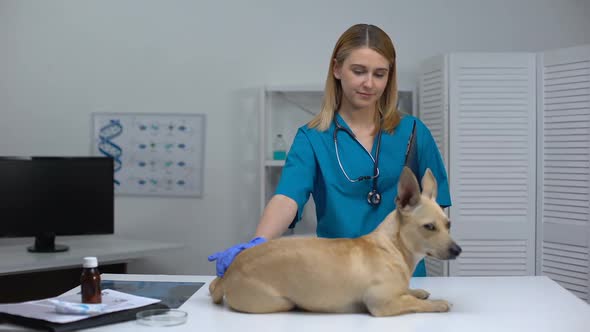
[161, 317]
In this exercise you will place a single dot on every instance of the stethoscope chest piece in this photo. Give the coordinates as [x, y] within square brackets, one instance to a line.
[374, 198]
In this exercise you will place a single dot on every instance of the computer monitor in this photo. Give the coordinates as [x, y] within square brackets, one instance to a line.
[48, 196]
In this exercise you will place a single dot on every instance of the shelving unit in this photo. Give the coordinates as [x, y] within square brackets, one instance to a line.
[274, 163]
[283, 110]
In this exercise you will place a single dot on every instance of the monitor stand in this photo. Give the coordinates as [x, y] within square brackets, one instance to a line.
[45, 242]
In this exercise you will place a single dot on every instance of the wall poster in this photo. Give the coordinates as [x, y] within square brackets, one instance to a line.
[154, 154]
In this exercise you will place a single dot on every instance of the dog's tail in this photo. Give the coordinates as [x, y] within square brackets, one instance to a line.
[216, 290]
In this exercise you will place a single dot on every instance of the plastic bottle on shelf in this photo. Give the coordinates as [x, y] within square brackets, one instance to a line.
[279, 148]
[90, 281]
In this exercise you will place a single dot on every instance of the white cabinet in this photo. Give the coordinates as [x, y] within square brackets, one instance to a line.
[480, 108]
[564, 168]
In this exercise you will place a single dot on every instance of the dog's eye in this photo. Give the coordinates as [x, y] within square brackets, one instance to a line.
[430, 227]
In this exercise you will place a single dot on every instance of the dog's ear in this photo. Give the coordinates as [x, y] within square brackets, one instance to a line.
[408, 190]
[429, 186]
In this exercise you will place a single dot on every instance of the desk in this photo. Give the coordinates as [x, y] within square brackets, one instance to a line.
[14, 257]
[23, 276]
[480, 304]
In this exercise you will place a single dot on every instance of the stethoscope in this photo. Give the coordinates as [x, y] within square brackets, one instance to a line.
[373, 197]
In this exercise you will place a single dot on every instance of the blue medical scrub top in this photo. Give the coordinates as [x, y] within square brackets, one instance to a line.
[341, 206]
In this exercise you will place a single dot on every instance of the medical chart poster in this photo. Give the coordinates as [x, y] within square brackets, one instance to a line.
[154, 154]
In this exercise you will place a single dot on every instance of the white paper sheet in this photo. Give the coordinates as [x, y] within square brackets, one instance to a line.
[45, 310]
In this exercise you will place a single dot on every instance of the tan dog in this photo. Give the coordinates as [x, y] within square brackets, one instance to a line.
[347, 275]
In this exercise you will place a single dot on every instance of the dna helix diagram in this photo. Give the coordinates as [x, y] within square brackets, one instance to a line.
[107, 147]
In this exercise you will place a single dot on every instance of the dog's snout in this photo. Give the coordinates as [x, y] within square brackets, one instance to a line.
[454, 250]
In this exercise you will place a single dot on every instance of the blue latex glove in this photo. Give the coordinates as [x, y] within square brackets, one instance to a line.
[226, 257]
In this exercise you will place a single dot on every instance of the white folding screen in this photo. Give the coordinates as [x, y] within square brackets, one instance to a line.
[492, 153]
[433, 111]
[564, 168]
[488, 134]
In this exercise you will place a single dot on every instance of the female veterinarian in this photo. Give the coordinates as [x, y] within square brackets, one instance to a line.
[350, 156]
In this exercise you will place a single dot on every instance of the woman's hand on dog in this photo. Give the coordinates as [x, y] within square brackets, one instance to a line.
[226, 257]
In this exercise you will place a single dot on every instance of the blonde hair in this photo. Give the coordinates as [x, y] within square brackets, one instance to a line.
[358, 36]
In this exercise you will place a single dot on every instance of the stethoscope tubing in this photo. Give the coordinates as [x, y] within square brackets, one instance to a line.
[374, 197]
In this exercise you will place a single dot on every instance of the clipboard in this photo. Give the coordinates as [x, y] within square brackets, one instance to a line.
[100, 320]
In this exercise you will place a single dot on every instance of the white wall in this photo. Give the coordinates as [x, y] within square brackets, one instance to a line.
[61, 60]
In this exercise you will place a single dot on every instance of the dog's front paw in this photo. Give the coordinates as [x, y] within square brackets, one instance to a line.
[420, 293]
[440, 305]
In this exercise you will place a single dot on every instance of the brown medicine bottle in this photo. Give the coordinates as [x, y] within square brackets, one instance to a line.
[90, 281]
